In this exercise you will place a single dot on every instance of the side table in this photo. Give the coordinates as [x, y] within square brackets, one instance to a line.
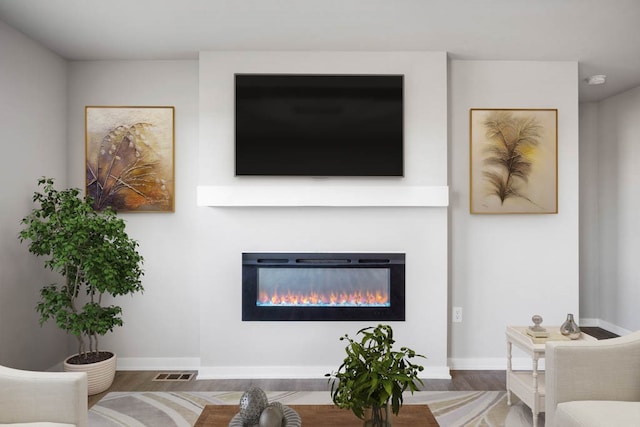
[529, 385]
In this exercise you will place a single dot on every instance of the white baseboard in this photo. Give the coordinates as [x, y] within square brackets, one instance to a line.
[493, 364]
[262, 372]
[158, 363]
[292, 372]
[436, 373]
[149, 364]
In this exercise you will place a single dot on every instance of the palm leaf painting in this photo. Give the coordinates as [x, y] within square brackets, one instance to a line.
[513, 161]
[129, 164]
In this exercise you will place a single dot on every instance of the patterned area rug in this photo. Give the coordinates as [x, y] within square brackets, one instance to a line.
[181, 409]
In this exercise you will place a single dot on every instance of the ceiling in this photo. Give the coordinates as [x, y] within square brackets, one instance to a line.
[602, 36]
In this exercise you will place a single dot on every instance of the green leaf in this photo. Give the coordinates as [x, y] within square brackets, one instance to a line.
[92, 253]
[373, 373]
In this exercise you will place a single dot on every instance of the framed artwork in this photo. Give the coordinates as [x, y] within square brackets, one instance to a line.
[514, 161]
[129, 158]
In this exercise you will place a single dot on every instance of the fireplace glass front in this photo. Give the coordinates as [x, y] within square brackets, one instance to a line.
[322, 286]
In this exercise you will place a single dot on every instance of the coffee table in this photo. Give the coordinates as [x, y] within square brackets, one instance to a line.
[322, 416]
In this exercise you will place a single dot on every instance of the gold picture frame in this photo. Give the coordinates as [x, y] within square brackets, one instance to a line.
[513, 161]
[129, 158]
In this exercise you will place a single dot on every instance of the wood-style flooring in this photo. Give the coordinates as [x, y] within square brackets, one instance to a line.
[460, 380]
[143, 381]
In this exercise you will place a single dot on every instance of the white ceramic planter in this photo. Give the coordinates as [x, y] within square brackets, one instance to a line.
[99, 375]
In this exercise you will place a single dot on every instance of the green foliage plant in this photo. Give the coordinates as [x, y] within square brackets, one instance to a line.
[94, 255]
[373, 373]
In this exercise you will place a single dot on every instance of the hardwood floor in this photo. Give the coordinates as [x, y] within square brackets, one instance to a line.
[460, 380]
[143, 381]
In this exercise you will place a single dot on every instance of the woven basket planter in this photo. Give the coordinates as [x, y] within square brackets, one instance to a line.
[99, 375]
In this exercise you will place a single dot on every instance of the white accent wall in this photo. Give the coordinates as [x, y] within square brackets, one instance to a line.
[230, 347]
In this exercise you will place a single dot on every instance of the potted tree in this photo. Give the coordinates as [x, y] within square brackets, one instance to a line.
[96, 258]
[373, 376]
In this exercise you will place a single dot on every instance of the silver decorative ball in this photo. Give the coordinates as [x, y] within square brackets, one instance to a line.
[271, 417]
[252, 403]
[280, 407]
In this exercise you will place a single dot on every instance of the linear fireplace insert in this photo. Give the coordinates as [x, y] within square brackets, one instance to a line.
[323, 286]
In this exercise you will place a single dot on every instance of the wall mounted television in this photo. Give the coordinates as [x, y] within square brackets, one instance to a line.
[318, 125]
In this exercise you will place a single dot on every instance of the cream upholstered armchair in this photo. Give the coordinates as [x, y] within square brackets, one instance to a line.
[593, 383]
[52, 399]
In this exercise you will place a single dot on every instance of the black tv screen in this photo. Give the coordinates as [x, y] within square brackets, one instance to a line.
[319, 125]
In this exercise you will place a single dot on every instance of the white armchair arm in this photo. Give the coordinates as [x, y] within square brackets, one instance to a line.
[27, 396]
[592, 370]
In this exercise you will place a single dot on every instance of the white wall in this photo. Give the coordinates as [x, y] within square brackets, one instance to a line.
[32, 120]
[230, 347]
[506, 268]
[618, 204]
[589, 213]
[161, 325]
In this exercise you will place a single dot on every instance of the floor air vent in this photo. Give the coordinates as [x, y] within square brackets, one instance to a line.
[173, 376]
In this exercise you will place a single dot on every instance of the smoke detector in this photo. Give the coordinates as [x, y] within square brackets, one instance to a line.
[598, 79]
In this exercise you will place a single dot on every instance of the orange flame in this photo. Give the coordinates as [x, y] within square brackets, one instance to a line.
[313, 298]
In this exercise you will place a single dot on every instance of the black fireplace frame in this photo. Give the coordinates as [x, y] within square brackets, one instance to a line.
[395, 262]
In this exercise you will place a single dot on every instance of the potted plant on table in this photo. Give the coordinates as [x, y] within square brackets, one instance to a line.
[373, 376]
[96, 258]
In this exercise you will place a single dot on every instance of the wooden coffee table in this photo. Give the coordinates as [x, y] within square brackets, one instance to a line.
[323, 415]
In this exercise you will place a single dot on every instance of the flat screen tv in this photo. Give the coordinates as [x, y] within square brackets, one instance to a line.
[318, 125]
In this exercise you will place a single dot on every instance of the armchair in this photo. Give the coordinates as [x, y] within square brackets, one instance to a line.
[52, 399]
[593, 383]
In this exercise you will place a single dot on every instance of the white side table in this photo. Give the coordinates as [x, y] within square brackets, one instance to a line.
[529, 385]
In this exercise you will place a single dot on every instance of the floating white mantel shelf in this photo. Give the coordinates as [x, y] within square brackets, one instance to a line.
[330, 195]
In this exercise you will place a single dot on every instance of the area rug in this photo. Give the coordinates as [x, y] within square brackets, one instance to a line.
[181, 409]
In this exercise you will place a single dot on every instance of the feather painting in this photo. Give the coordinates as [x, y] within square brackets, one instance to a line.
[513, 161]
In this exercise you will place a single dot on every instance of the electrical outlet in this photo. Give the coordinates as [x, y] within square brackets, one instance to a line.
[457, 314]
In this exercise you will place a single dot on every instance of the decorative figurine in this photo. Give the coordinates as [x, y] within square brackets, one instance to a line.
[536, 330]
[570, 328]
[252, 403]
[256, 411]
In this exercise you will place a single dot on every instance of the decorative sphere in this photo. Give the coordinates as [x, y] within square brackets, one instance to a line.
[252, 403]
[537, 319]
[271, 417]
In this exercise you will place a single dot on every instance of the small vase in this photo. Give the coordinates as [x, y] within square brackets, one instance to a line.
[378, 416]
[570, 328]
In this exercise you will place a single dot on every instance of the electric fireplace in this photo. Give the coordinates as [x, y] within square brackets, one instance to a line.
[323, 286]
